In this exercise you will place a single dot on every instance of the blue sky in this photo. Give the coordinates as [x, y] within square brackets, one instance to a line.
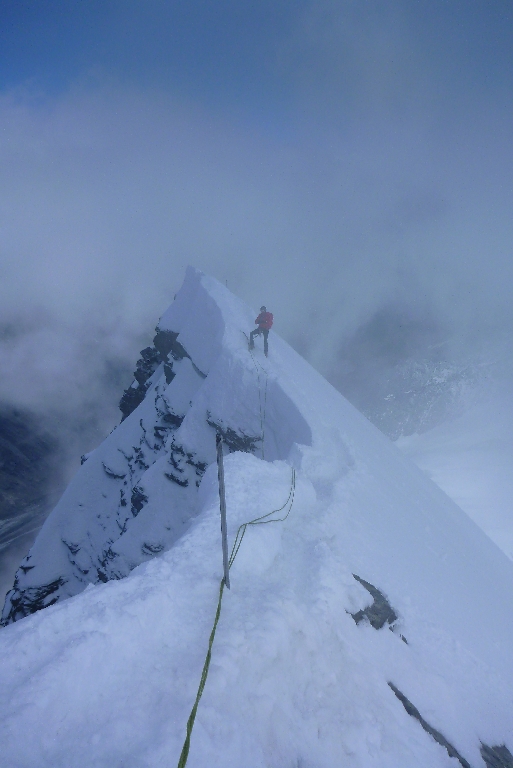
[211, 51]
[228, 52]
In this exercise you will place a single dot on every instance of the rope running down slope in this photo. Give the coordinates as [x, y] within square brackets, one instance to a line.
[263, 520]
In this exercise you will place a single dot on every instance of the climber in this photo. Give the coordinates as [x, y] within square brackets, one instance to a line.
[264, 322]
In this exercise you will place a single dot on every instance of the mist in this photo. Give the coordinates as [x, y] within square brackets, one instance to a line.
[346, 164]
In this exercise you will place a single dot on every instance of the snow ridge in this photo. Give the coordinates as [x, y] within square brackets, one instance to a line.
[371, 629]
[136, 494]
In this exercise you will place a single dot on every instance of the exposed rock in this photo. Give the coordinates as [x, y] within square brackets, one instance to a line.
[438, 737]
[151, 549]
[165, 342]
[236, 441]
[146, 365]
[30, 600]
[145, 368]
[497, 757]
[169, 373]
[380, 612]
[186, 468]
[110, 472]
[87, 565]
[179, 481]
[173, 419]
[131, 398]
[139, 499]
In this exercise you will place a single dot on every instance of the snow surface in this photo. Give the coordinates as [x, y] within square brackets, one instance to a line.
[471, 459]
[107, 678]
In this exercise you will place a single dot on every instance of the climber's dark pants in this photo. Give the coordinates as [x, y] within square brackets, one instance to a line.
[257, 332]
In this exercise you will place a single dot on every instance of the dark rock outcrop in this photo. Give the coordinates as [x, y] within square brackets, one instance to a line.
[166, 343]
[380, 612]
[497, 757]
[165, 346]
[145, 368]
[23, 603]
[139, 499]
[131, 398]
[236, 441]
[146, 365]
[438, 737]
[185, 467]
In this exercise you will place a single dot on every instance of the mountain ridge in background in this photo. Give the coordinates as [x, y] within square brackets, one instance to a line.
[30, 472]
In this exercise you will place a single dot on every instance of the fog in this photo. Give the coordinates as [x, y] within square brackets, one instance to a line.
[346, 164]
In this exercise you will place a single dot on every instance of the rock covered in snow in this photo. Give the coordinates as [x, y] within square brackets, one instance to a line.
[136, 494]
[369, 628]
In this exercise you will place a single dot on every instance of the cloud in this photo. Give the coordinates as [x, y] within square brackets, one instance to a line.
[368, 192]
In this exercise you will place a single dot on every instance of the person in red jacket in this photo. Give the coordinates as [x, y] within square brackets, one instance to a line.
[264, 322]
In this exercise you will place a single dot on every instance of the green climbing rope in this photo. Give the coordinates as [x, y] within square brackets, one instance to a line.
[264, 519]
[192, 717]
[235, 549]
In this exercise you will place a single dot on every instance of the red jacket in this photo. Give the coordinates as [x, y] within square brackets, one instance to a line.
[265, 320]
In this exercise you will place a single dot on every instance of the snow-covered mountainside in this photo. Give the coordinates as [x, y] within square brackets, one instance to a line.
[471, 458]
[138, 492]
[369, 627]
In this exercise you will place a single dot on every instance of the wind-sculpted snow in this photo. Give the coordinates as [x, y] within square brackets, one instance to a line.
[136, 494]
[109, 677]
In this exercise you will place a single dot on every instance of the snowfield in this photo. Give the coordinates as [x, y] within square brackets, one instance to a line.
[471, 459]
[302, 667]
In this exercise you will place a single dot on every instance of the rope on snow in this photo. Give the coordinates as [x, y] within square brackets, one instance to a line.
[264, 519]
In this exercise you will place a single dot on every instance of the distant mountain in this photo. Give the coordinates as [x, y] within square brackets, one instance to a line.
[470, 456]
[28, 473]
[367, 624]
[401, 372]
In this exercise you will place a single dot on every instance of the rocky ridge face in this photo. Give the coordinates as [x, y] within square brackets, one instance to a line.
[136, 494]
[103, 554]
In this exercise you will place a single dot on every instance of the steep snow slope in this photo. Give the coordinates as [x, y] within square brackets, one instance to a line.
[137, 493]
[471, 459]
[108, 677]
